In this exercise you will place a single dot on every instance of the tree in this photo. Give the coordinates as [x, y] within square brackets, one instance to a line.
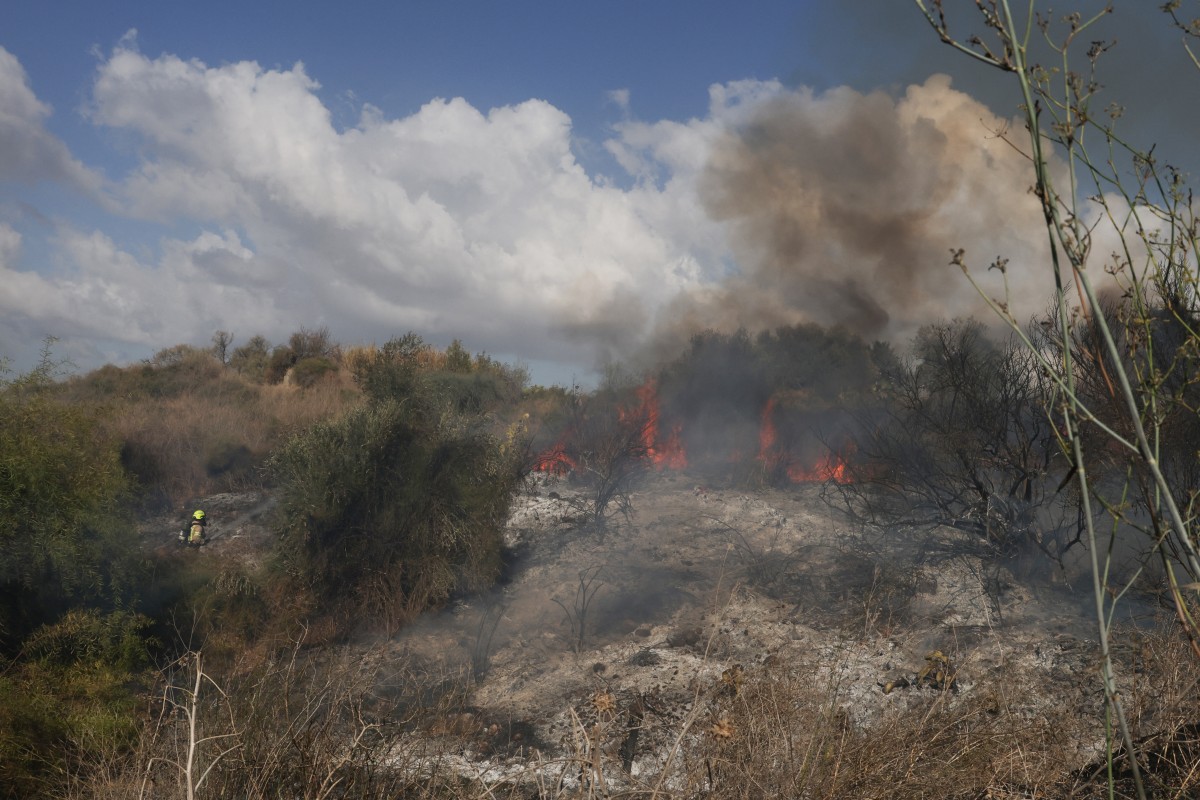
[221, 341]
[251, 358]
[399, 501]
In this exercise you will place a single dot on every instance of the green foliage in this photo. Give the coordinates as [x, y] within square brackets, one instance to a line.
[395, 370]
[61, 481]
[170, 373]
[64, 552]
[457, 358]
[306, 344]
[86, 635]
[402, 491]
[71, 700]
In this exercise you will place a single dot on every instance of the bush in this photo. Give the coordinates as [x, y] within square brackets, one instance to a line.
[307, 371]
[250, 360]
[395, 499]
[61, 521]
[72, 701]
[963, 439]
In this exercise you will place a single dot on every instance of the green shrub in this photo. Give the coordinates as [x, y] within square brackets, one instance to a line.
[398, 492]
[71, 700]
[307, 371]
[62, 526]
[250, 360]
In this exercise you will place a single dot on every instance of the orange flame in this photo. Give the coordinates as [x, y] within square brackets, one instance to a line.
[666, 453]
[831, 467]
[555, 461]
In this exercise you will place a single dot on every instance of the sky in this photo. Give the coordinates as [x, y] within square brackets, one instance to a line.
[560, 185]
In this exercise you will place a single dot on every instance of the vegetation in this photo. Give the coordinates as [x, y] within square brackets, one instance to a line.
[1123, 374]
[395, 476]
[960, 437]
[395, 467]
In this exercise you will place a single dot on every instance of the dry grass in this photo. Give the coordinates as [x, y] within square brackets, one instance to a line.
[200, 442]
[317, 724]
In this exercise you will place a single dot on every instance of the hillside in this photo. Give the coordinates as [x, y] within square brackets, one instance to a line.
[741, 643]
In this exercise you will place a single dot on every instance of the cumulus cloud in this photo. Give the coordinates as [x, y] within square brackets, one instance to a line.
[28, 152]
[778, 206]
[453, 221]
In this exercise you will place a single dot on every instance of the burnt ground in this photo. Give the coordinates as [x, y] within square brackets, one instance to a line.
[609, 648]
[238, 530]
[615, 644]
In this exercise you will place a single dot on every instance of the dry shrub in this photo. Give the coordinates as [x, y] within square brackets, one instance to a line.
[786, 733]
[291, 408]
[200, 442]
[297, 726]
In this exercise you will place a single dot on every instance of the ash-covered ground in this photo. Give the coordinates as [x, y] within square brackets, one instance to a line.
[624, 650]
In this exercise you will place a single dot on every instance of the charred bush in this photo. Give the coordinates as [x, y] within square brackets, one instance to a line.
[961, 437]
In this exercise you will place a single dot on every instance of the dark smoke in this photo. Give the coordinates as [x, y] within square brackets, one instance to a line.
[843, 208]
[832, 215]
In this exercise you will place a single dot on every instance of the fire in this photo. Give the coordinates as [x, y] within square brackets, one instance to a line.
[830, 467]
[555, 461]
[668, 453]
[665, 448]
[664, 452]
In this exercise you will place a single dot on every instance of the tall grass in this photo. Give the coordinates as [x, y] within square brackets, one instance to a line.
[216, 438]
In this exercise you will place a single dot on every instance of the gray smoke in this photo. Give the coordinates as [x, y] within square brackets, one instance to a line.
[843, 209]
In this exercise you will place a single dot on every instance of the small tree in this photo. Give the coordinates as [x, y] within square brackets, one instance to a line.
[221, 340]
[398, 500]
[960, 438]
[251, 358]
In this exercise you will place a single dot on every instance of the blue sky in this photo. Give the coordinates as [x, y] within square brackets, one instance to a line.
[555, 183]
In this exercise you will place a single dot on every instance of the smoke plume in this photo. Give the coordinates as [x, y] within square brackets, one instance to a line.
[843, 209]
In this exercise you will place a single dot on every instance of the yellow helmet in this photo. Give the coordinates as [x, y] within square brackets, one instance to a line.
[198, 515]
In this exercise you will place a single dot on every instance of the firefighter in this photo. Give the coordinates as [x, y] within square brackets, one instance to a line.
[196, 527]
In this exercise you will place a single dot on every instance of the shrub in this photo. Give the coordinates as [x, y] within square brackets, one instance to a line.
[71, 701]
[61, 483]
[398, 492]
[280, 361]
[963, 439]
[307, 371]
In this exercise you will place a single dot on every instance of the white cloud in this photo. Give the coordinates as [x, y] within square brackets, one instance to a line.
[465, 223]
[481, 225]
